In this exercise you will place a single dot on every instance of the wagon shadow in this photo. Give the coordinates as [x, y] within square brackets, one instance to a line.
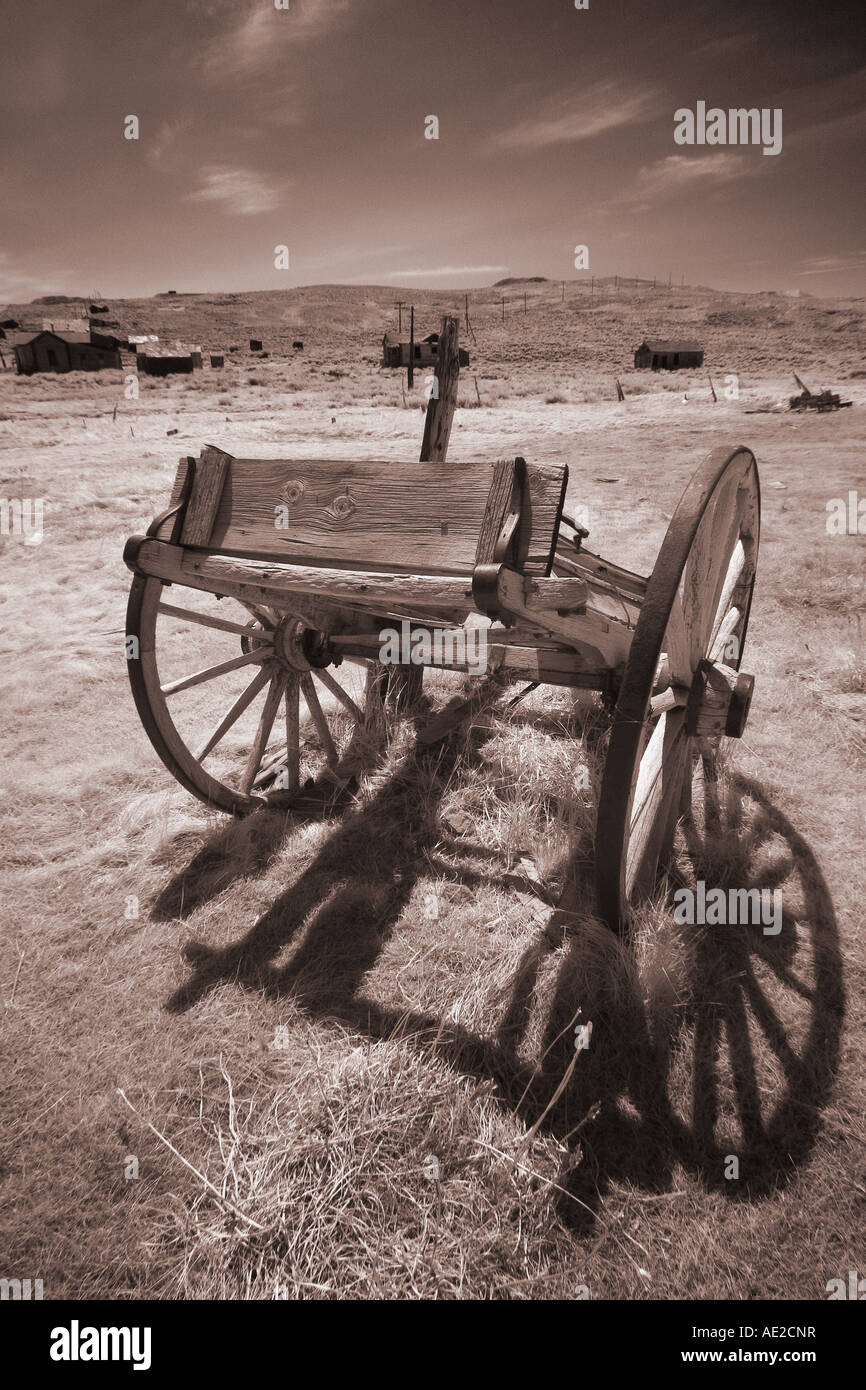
[618, 1116]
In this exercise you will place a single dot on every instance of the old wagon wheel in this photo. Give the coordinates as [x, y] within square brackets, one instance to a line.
[680, 691]
[238, 700]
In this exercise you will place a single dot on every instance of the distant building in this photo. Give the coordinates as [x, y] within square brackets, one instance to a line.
[66, 325]
[396, 354]
[141, 342]
[64, 352]
[164, 363]
[668, 356]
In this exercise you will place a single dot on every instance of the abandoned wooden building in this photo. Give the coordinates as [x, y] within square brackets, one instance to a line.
[164, 363]
[48, 351]
[396, 354]
[668, 356]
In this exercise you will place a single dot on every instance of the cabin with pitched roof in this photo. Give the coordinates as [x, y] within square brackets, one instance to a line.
[666, 356]
[49, 351]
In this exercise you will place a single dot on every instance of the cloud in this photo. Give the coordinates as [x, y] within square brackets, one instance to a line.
[256, 43]
[577, 116]
[18, 286]
[243, 192]
[678, 173]
[833, 265]
[418, 274]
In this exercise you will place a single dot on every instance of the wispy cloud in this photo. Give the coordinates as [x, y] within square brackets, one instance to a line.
[441, 270]
[18, 286]
[241, 191]
[834, 265]
[677, 173]
[572, 117]
[255, 42]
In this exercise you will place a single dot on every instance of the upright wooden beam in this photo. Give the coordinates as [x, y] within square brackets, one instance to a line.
[411, 373]
[406, 682]
[440, 407]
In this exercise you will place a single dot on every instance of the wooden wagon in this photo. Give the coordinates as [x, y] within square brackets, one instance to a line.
[281, 575]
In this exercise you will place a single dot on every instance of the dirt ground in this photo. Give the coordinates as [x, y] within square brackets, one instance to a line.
[411, 1032]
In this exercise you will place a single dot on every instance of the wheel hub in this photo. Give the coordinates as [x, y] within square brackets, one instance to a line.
[299, 647]
[719, 701]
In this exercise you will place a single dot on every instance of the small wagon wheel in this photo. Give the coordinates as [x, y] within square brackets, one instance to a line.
[680, 692]
[238, 701]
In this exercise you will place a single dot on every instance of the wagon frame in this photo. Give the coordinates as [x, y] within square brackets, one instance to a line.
[367, 544]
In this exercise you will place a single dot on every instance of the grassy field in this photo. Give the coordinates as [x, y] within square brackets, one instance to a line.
[342, 1043]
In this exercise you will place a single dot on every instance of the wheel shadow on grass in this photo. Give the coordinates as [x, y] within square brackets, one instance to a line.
[672, 1077]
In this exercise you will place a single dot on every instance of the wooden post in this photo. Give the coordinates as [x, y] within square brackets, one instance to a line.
[503, 310]
[400, 303]
[405, 683]
[712, 387]
[591, 286]
[524, 301]
[440, 407]
[466, 310]
[563, 291]
[411, 373]
[620, 394]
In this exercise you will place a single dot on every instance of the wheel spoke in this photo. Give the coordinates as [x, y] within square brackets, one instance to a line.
[263, 732]
[677, 646]
[337, 690]
[237, 709]
[724, 632]
[319, 719]
[205, 620]
[725, 587]
[211, 672]
[657, 781]
[293, 734]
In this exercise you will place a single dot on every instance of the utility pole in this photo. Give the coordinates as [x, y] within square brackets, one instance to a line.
[412, 348]
[503, 311]
[466, 306]
[400, 303]
[524, 301]
[591, 286]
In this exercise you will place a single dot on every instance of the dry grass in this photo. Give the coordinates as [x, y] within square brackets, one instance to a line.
[311, 1012]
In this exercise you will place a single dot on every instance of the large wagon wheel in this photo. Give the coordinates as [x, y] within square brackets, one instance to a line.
[680, 692]
[238, 700]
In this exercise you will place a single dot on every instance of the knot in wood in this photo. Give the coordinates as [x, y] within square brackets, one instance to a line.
[341, 508]
[293, 491]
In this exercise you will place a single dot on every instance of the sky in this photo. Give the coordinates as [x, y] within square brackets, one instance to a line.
[304, 127]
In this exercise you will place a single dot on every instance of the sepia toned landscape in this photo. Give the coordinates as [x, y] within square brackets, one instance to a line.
[296, 1056]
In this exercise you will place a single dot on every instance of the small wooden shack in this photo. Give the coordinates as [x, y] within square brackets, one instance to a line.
[396, 354]
[164, 363]
[668, 356]
[65, 352]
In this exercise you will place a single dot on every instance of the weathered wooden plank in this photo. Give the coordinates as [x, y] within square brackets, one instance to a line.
[504, 498]
[207, 488]
[261, 581]
[440, 407]
[375, 514]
